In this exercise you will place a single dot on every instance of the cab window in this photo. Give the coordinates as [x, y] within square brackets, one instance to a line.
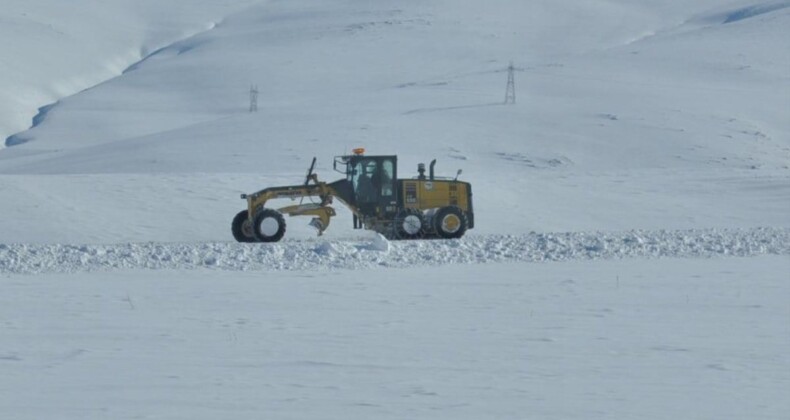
[363, 180]
[387, 175]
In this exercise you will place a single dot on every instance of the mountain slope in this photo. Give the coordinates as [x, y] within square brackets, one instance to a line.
[648, 115]
[54, 49]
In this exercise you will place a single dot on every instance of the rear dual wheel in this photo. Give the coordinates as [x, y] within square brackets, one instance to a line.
[450, 222]
[410, 224]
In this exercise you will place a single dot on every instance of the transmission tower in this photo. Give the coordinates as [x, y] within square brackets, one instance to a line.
[253, 98]
[510, 92]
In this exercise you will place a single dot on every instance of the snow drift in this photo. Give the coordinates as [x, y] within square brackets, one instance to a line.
[321, 255]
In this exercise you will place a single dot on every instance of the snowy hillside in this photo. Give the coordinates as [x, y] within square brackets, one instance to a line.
[632, 208]
[628, 116]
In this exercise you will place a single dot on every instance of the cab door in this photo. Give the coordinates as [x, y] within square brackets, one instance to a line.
[388, 194]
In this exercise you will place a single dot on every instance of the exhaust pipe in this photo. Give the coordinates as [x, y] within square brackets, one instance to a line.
[433, 163]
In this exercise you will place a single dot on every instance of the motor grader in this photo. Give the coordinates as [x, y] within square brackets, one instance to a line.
[425, 206]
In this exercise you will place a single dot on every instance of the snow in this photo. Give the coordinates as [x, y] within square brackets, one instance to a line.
[630, 251]
[380, 243]
[613, 130]
[651, 339]
[56, 49]
[291, 255]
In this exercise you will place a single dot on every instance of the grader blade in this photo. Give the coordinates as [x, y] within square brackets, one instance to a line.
[323, 214]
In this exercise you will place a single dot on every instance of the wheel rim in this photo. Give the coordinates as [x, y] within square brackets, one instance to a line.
[268, 226]
[412, 224]
[246, 229]
[451, 223]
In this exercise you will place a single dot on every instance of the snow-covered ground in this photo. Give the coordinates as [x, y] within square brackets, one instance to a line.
[647, 339]
[632, 244]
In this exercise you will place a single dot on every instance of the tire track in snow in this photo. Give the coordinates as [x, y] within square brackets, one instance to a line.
[321, 254]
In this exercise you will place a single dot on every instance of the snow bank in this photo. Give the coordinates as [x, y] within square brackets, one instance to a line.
[309, 255]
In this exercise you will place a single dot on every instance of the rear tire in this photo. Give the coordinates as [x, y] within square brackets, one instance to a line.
[450, 222]
[242, 228]
[268, 225]
[410, 224]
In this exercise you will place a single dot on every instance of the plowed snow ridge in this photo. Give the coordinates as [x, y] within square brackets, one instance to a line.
[319, 254]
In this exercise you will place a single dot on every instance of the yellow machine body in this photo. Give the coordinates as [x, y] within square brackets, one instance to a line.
[421, 207]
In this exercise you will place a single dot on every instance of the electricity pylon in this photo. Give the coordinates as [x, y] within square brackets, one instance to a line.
[253, 98]
[510, 92]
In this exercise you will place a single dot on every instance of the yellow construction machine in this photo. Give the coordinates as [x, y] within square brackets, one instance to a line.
[425, 206]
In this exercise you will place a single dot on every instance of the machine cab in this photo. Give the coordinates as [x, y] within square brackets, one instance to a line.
[373, 180]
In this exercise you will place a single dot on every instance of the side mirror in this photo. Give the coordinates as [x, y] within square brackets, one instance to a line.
[460, 171]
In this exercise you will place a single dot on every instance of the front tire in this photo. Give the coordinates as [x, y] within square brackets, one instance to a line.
[268, 225]
[450, 222]
[242, 228]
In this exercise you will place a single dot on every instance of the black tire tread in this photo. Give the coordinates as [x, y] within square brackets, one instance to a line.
[399, 233]
[236, 228]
